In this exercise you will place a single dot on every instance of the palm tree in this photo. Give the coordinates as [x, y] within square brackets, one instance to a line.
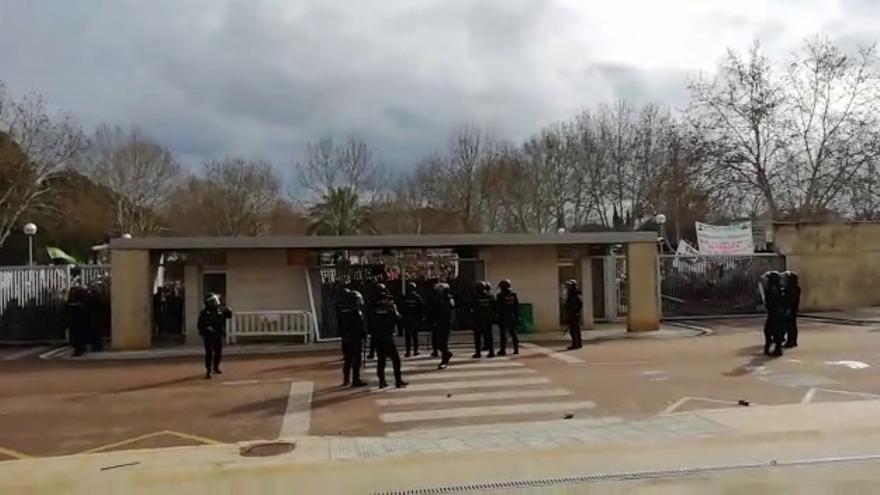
[340, 213]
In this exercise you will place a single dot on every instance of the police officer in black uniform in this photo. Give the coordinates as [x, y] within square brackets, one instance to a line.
[383, 318]
[412, 308]
[350, 315]
[574, 305]
[508, 316]
[792, 306]
[483, 312]
[443, 312]
[77, 316]
[212, 328]
[774, 326]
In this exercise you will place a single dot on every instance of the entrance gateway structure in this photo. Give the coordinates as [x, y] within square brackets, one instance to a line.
[292, 277]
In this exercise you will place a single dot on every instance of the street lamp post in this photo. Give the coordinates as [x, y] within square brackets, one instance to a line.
[660, 218]
[30, 230]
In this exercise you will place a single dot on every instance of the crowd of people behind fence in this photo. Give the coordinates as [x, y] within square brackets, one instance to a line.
[781, 295]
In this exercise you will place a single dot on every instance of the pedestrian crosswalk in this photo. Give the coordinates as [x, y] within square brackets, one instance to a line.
[471, 391]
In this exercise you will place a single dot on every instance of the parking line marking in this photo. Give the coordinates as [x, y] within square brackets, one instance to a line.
[504, 382]
[189, 436]
[473, 397]
[14, 454]
[561, 356]
[123, 442]
[482, 411]
[298, 413]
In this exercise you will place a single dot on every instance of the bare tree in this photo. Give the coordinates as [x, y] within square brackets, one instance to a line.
[243, 195]
[350, 165]
[834, 124]
[742, 112]
[38, 146]
[139, 173]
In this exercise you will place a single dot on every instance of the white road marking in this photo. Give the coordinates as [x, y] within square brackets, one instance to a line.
[474, 397]
[809, 395]
[813, 391]
[298, 414]
[482, 411]
[26, 352]
[680, 402]
[51, 354]
[853, 365]
[476, 384]
[443, 375]
[454, 365]
[470, 431]
[561, 356]
[241, 382]
[255, 382]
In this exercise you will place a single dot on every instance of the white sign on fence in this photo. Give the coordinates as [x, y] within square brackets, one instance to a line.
[725, 239]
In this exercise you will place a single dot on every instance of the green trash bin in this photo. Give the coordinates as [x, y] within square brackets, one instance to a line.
[526, 319]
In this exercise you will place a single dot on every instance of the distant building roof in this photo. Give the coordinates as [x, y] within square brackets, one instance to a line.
[381, 241]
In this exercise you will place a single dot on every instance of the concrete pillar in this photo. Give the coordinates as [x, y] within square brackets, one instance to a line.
[130, 299]
[586, 264]
[643, 311]
[192, 282]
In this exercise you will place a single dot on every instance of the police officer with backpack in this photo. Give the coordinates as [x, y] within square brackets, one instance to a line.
[412, 308]
[350, 316]
[483, 313]
[382, 322]
[508, 316]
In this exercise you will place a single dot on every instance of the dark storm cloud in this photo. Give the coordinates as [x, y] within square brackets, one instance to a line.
[261, 78]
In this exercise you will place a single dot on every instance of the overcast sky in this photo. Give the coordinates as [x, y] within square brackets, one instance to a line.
[260, 78]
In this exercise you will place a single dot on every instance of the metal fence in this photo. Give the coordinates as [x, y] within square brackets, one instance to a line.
[32, 298]
[710, 284]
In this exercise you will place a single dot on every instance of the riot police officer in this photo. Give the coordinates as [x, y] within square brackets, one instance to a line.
[774, 301]
[77, 319]
[508, 316]
[444, 305]
[792, 306]
[574, 305]
[383, 318]
[350, 315]
[212, 328]
[483, 312]
[412, 308]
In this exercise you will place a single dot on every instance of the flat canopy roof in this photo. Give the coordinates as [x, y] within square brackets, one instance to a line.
[381, 241]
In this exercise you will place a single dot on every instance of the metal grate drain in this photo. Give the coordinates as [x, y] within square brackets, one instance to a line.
[626, 476]
[267, 449]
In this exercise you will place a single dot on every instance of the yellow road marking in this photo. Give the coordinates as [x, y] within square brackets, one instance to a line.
[13, 453]
[185, 436]
[123, 442]
[197, 438]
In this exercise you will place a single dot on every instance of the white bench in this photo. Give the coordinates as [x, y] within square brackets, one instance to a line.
[270, 323]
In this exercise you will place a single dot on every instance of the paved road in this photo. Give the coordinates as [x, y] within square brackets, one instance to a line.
[64, 407]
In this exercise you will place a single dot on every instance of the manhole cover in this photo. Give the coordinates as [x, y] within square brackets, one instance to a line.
[267, 449]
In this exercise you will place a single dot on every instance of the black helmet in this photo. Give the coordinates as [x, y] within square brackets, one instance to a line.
[356, 298]
[212, 300]
[381, 289]
[773, 278]
[791, 278]
[411, 287]
[484, 286]
[571, 283]
[504, 284]
[441, 287]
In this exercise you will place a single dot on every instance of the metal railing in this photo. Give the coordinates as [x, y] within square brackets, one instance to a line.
[271, 323]
[713, 284]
